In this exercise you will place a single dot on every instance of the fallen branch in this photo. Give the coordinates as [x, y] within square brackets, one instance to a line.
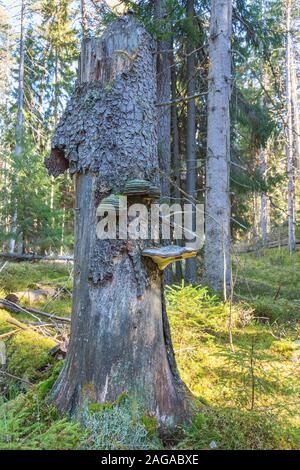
[15, 377]
[16, 323]
[33, 257]
[41, 324]
[9, 333]
[15, 308]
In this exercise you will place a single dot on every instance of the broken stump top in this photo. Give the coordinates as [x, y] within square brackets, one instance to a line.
[109, 124]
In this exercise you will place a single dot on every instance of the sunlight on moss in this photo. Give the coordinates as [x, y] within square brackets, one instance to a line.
[247, 398]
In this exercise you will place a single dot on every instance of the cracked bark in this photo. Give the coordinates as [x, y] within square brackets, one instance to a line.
[120, 338]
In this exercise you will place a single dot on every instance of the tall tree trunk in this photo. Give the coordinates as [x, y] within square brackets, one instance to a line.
[289, 134]
[19, 124]
[176, 163]
[163, 69]
[262, 152]
[120, 339]
[190, 274]
[217, 209]
[295, 108]
[263, 198]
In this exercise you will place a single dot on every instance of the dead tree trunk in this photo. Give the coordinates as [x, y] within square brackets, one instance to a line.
[120, 340]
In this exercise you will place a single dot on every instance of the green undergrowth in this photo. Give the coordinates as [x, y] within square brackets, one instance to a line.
[30, 421]
[269, 280]
[247, 390]
[26, 356]
[233, 429]
[26, 276]
[20, 276]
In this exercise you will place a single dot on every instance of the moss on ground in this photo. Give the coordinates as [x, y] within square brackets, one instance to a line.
[27, 422]
[248, 395]
[27, 355]
[16, 277]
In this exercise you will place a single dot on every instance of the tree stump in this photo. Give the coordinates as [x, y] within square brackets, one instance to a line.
[120, 340]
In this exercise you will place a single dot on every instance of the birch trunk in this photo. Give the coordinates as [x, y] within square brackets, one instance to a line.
[19, 124]
[289, 135]
[120, 339]
[217, 216]
[190, 274]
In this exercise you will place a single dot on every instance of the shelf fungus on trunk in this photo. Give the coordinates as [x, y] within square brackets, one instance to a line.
[120, 339]
[168, 254]
[111, 202]
[141, 188]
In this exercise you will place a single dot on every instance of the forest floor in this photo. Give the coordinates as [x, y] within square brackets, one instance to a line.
[240, 359]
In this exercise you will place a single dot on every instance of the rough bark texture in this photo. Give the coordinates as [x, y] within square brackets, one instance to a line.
[217, 216]
[190, 274]
[289, 135]
[120, 340]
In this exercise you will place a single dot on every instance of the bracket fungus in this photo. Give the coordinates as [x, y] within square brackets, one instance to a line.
[138, 187]
[108, 203]
[168, 254]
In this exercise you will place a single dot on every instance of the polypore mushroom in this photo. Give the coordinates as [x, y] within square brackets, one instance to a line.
[107, 203]
[168, 254]
[138, 187]
[154, 191]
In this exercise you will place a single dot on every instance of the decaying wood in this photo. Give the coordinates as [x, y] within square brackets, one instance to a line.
[31, 295]
[120, 339]
[8, 334]
[16, 323]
